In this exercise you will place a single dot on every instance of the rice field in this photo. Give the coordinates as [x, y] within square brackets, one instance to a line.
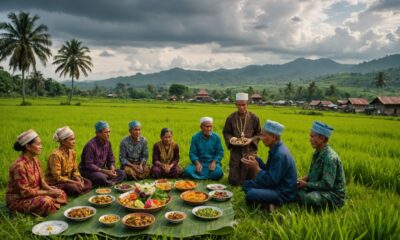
[368, 146]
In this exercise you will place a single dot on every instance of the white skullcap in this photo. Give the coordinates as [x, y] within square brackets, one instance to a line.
[206, 119]
[62, 134]
[26, 137]
[242, 97]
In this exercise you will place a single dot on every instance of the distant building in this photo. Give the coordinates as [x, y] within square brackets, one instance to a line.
[387, 105]
[112, 95]
[322, 105]
[202, 95]
[173, 98]
[256, 98]
[357, 104]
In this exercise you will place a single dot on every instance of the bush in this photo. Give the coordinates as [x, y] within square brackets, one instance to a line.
[313, 113]
[26, 103]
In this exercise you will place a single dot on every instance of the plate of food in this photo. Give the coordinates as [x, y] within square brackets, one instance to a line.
[103, 190]
[49, 228]
[216, 186]
[163, 184]
[144, 199]
[220, 195]
[175, 216]
[101, 200]
[138, 221]
[207, 212]
[239, 141]
[184, 185]
[124, 187]
[109, 220]
[194, 198]
[80, 213]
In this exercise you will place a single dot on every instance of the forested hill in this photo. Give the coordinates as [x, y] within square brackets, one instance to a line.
[297, 70]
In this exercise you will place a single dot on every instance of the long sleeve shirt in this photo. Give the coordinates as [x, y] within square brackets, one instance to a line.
[133, 152]
[205, 150]
[326, 173]
[280, 172]
[157, 155]
[61, 166]
[96, 155]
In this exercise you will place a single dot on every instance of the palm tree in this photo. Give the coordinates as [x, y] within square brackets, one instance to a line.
[289, 91]
[23, 42]
[380, 81]
[72, 60]
[36, 81]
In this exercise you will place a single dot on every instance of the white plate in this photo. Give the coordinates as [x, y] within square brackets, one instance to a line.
[216, 186]
[229, 195]
[101, 204]
[194, 210]
[79, 219]
[49, 228]
[117, 187]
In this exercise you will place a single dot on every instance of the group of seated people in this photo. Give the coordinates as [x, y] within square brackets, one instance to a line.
[275, 182]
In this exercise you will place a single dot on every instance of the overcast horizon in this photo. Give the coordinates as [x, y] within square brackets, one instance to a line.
[130, 36]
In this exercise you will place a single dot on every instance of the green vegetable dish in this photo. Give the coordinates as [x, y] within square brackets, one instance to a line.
[208, 212]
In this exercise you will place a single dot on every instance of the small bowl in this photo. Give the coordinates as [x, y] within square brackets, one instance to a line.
[126, 217]
[92, 209]
[163, 184]
[124, 187]
[91, 199]
[179, 187]
[175, 220]
[109, 224]
[194, 203]
[103, 190]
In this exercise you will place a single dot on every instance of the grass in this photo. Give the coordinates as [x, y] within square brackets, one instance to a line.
[368, 147]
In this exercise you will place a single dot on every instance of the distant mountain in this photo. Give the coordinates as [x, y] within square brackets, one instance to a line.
[296, 70]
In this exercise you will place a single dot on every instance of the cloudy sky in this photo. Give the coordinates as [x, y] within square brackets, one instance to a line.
[130, 36]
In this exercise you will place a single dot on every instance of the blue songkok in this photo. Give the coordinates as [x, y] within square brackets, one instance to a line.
[100, 125]
[322, 129]
[273, 127]
[133, 124]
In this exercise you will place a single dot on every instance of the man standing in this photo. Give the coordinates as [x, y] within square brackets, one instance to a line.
[275, 182]
[206, 153]
[244, 126]
[97, 159]
[324, 185]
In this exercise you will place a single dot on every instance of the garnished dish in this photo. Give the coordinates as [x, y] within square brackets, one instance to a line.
[101, 200]
[220, 195]
[175, 216]
[216, 186]
[103, 191]
[238, 141]
[124, 187]
[109, 219]
[145, 197]
[163, 184]
[49, 228]
[207, 212]
[184, 185]
[138, 220]
[194, 197]
[80, 213]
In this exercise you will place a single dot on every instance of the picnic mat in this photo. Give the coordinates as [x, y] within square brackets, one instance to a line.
[191, 226]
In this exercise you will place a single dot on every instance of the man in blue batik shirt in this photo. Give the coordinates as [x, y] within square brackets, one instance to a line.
[275, 182]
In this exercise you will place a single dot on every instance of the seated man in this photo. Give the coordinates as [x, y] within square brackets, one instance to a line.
[97, 159]
[206, 153]
[324, 185]
[275, 182]
[133, 153]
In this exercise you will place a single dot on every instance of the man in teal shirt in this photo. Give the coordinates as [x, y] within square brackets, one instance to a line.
[324, 185]
[206, 153]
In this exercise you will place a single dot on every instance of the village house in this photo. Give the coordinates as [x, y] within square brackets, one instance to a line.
[387, 105]
[256, 98]
[202, 95]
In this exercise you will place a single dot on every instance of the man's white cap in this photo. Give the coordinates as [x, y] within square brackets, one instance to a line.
[206, 119]
[242, 97]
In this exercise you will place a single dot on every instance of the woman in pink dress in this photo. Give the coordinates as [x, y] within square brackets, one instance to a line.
[27, 191]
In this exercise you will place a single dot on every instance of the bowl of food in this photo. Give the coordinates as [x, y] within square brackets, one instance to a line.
[238, 141]
[109, 220]
[138, 221]
[216, 186]
[101, 200]
[185, 185]
[80, 213]
[207, 212]
[132, 201]
[124, 187]
[220, 195]
[103, 191]
[194, 198]
[163, 184]
[175, 216]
